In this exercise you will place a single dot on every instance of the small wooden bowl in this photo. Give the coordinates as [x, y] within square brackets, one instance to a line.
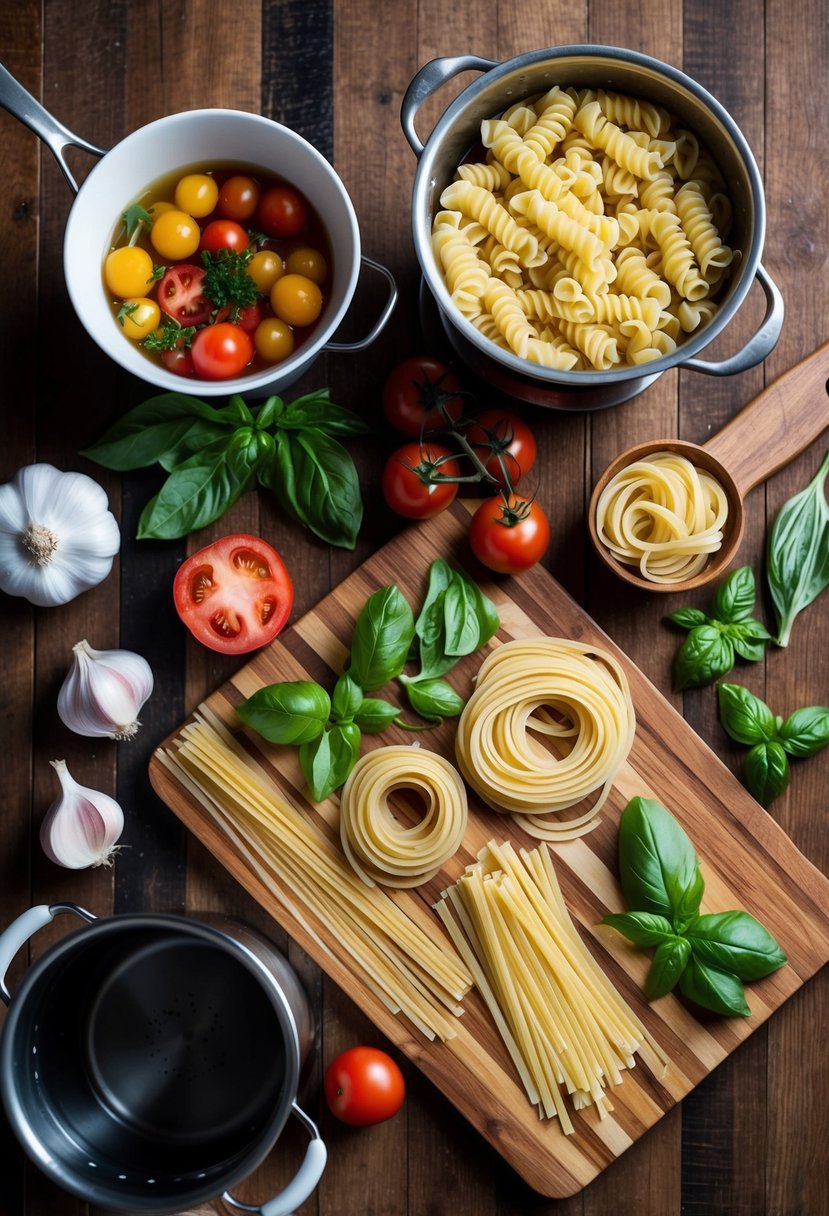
[765, 436]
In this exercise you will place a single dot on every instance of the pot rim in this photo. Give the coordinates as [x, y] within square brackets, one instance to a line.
[422, 219]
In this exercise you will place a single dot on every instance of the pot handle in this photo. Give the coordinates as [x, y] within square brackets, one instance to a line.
[26, 925]
[382, 320]
[303, 1182]
[427, 81]
[760, 345]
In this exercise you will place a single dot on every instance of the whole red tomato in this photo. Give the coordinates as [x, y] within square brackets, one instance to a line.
[282, 212]
[509, 534]
[221, 351]
[412, 484]
[224, 234]
[504, 444]
[420, 395]
[363, 1086]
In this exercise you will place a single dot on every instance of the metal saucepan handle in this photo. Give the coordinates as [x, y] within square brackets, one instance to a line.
[760, 345]
[19, 102]
[26, 925]
[427, 81]
[382, 320]
[301, 1185]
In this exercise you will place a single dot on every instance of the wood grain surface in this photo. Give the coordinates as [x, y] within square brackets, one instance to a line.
[750, 1139]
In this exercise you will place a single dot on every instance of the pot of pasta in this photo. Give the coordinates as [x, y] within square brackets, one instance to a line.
[586, 217]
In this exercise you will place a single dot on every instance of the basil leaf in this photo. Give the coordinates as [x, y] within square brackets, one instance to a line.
[374, 715]
[669, 961]
[382, 636]
[199, 435]
[346, 699]
[745, 717]
[315, 481]
[713, 989]
[146, 433]
[797, 564]
[806, 731]
[295, 711]
[657, 863]
[460, 618]
[735, 942]
[767, 771]
[749, 639]
[687, 618]
[198, 491]
[735, 596]
[704, 656]
[269, 411]
[327, 760]
[319, 411]
[433, 699]
[440, 576]
[641, 928]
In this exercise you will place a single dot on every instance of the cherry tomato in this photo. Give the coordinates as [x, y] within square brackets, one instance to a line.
[175, 235]
[274, 340]
[265, 267]
[196, 193]
[181, 294]
[221, 351]
[498, 435]
[509, 536]
[308, 262]
[408, 480]
[178, 360]
[139, 317]
[296, 300]
[238, 197]
[282, 211]
[235, 594]
[417, 392]
[128, 271]
[223, 234]
[363, 1086]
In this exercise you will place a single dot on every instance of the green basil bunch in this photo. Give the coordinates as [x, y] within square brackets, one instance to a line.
[714, 640]
[709, 955]
[213, 455]
[771, 740]
[797, 565]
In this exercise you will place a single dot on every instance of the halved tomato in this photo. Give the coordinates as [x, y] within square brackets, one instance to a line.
[181, 294]
[235, 594]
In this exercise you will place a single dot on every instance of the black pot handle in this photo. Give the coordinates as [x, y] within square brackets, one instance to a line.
[427, 81]
[26, 925]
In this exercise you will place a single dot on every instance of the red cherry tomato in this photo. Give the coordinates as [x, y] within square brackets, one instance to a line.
[235, 594]
[408, 480]
[282, 211]
[238, 197]
[221, 351]
[417, 393]
[509, 536]
[181, 294]
[499, 436]
[178, 360]
[223, 234]
[363, 1086]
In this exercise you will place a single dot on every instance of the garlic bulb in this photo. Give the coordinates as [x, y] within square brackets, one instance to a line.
[103, 692]
[81, 826]
[57, 535]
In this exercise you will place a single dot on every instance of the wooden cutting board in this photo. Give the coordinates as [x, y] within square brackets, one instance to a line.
[747, 862]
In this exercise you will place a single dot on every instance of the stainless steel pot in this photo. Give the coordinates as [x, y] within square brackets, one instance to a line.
[149, 1063]
[624, 71]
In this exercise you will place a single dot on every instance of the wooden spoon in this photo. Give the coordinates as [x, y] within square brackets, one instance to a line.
[765, 436]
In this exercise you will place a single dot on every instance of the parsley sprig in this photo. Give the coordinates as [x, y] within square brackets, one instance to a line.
[169, 335]
[227, 283]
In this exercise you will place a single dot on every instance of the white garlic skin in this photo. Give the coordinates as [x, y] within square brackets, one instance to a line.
[82, 826]
[104, 691]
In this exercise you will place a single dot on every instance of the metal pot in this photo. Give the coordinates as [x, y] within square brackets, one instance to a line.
[623, 71]
[149, 1063]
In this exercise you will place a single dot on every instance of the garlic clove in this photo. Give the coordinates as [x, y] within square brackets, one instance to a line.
[104, 691]
[82, 826]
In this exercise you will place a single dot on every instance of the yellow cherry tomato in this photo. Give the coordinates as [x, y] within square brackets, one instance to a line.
[196, 194]
[296, 299]
[139, 316]
[128, 271]
[175, 235]
[274, 340]
[157, 209]
[309, 262]
[265, 267]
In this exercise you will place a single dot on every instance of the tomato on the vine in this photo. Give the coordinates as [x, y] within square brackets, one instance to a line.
[504, 444]
[235, 594]
[420, 395]
[181, 294]
[509, 534]
[221, 351]
[223, 234]
[414, 482]
[363, 1086]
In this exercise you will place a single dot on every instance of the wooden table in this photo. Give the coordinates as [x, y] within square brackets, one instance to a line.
[751, 1138]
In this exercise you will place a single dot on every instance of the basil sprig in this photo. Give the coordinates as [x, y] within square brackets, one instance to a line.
[714, 640]
[214, 455]
[771, 740]
[797, 564]
[709, 955]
